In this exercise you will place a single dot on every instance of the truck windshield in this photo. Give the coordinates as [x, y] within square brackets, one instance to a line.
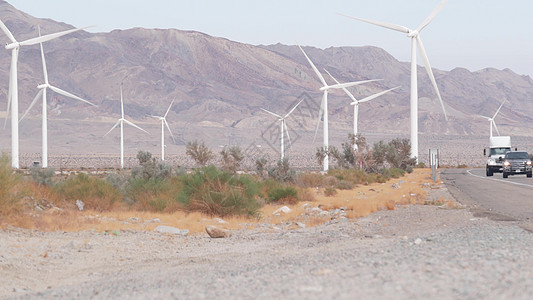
[499, 151]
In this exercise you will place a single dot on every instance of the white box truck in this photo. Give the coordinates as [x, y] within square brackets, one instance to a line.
[499, 145]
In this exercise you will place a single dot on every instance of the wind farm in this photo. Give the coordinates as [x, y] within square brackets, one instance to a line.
[248, 197]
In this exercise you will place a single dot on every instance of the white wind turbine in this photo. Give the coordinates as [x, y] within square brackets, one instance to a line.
[121, 122]
[284, 129]
[491, 120]
[415, 42]
[356, 103]
[324, 106]
[42, 91]
[164, 123]
[12, 97]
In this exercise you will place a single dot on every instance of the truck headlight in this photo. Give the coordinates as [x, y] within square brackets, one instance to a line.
[528, 163]
[506, 163]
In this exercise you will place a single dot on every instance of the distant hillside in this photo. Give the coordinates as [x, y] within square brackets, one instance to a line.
[219, 83]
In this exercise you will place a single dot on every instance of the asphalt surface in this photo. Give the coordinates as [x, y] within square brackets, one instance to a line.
[509, 199]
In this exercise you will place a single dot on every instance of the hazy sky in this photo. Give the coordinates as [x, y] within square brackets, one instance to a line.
[474, 34]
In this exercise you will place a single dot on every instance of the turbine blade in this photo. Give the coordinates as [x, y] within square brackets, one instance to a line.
[431, 16]
[168, 127]
[490, 119]
[67, 94]
[51, 36]
[377, 95]
[275, 115]
[114, 126]
[430, 72]
[320, 112]
[290, 112]
[45, 71]
[495, 127]
[7, 32]
[130, 123]
[343, 88]
[32, 104]
[499, 108]
[382, 24]
[12, 73]
[349, 84]
[314, 68]
[169, 108]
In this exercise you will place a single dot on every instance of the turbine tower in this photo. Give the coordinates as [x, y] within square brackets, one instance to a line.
[415, 42]
[324, 106]
[284, 129]
[42, 91]
[121, 121]
[164, 123]
[12, 96]
[356, 103]
[491, 120]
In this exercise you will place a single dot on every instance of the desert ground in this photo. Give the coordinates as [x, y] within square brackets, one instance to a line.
[376, 241]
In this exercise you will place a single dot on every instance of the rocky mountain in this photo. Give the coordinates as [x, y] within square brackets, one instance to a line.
[221, 84]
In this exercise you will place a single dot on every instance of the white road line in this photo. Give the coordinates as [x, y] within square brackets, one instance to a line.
[495, 179]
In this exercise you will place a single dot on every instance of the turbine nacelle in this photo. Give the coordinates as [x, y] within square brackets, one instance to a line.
[12, 45]
[413, 33]
[43, 86]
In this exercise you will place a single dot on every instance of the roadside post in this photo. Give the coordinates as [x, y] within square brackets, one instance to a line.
[434, 162]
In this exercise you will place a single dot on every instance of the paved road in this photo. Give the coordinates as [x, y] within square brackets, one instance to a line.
[509, 199]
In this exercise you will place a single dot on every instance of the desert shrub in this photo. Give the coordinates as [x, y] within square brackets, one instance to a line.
[396, 154]
[420, 165]
[306, 195]
[149, 168]
[344, 185]
[397, 173]
[11, 191]
[286, 194]
[330, 181]
[231, 158]
[43, 176]
[261, 166]
[355, 176]
[462, 166]
[219, 193]
[282, 172]
[199, 153]
[307, 180]
[96, 193]
[155, 195]
[330, 191]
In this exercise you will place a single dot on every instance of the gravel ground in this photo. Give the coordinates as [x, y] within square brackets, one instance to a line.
[412, 252]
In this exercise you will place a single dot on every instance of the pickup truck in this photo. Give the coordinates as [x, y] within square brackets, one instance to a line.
[516, 162]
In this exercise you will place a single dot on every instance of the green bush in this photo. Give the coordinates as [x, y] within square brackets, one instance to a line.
[44, 176]
[219, 193]
[284, 194]
[97, 194]
[11, 193]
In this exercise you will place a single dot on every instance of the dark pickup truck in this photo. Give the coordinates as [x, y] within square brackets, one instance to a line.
[516, 162]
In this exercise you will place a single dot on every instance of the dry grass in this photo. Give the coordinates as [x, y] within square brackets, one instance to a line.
[358, 202]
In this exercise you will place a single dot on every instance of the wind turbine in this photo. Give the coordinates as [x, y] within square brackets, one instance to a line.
[491, 120]
[12, 96]
[356, 102]
[415, 42]
[324, 106]
[164, 123]
[284, 127]
[121, 121]
[42, 91]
